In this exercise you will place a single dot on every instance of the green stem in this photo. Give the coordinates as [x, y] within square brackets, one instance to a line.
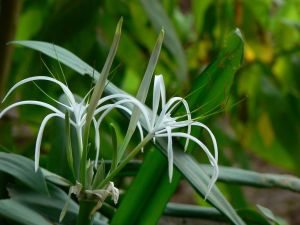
[85, 209]
[131, 155]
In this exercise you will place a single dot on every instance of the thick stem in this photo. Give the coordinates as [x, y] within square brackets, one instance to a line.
[85, 209]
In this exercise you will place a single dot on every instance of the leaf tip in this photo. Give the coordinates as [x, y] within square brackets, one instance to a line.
[162, 34]
[239, 34]
[119, 26]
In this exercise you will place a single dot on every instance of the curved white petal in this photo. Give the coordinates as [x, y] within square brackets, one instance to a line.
[211, 136]
[97, 141]
[40, 136]
[62, 85]
[212, 160]
[124, 101]
[31, 102]
[170, 153]
[113, 106]
[159, 93]
[188, 114]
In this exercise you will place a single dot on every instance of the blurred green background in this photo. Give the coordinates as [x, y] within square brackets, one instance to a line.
[257, 125]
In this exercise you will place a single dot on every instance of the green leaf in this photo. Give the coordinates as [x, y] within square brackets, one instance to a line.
[212, 86]
[99, 176]
[55, 179]
[159, 18]
[251, 178]
[23, 169]
[251, 217]
[98, 90]
[115, 147]
[269, 215]
[50, 206]
[196, 176]
[15, 211]
[61, 54]
[142, 94]
[143, 191]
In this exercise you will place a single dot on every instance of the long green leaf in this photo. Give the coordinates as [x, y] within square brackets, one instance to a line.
[50, 206]
[234, 176]
[97, 93]
[193, 211]
[211, 88]
[141, 192]
[196, 176]
[159, 18]
[17, 212]
[142, 93]
[183, 162]
[23, 169]
[251, 178]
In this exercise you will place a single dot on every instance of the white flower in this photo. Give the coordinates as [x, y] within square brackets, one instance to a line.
[162, 124]
[77, 108]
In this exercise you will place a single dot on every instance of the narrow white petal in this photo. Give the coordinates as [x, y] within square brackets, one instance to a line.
[212, 160]
[124, 101]
[62, 85]
[130, 101]
[159, 93]
[97, 141]
[211, 136]
[31, 102]
[179, 100]
[170, 153]
[141, 133]
[40, 136]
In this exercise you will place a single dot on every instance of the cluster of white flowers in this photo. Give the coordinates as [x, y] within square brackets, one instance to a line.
[159, 124]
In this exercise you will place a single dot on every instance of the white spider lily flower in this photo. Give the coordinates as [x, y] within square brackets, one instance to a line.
[77, 108]
[164, 125]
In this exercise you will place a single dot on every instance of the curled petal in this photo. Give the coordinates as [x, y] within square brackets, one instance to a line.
[108, 109]
[211, 136]
[97, 141]
[170, 153]
[40, 136]
[159, 92]
[31, 102]
[125, 101]
[212, 160]
[62, 85]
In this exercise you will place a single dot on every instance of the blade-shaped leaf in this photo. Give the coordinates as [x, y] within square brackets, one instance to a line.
[193, 211]
[141, 192]
[159, 18]
[251, 178]
[50, 206]
[212, 86]
[56, 179]
[96, 95]
[196, 176]
[142, 93]
[269, 215]
[15, 211]
[114, 141]
[23, 169]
